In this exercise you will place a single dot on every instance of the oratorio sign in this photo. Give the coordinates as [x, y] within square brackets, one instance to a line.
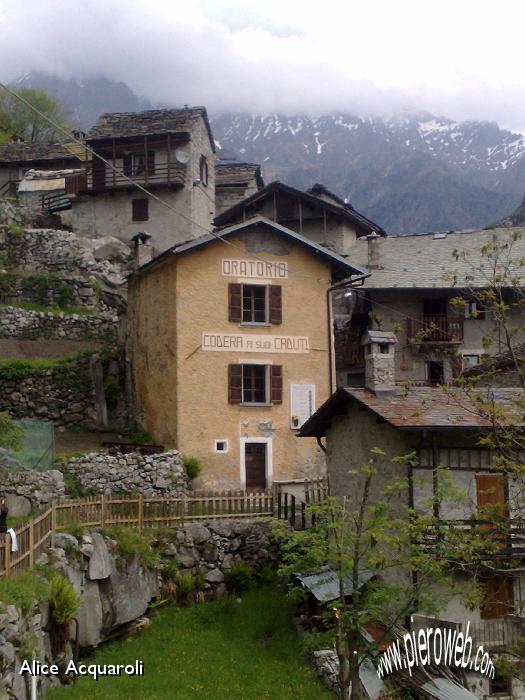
[255, 269]
[255, 343]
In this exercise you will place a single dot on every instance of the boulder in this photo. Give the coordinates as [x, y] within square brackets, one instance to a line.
[110, 248]
[19, 506]
[130, 591]
[101, 563]
[89, 616]
[199, 533]
[65, 540]
[215, 576]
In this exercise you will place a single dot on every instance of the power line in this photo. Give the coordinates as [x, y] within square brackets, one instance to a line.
[118, 171]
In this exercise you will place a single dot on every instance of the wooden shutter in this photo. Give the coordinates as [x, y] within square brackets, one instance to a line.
[276, 384]
[276, 306]
[126, 164]
[234, 383]
[234, 302]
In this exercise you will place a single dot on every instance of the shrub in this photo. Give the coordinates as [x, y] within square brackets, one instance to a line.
[267, 574]
[78, 530]
[111, 390]
[192, 466]
[185, 583]
[23, 590]
[132, 542]
[170, 570]
[74, 487]
[239, 578]
[63, 600]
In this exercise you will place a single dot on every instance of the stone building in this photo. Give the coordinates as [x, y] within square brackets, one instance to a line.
[171, 154]
[17, 158]
[411, 284]
[230, 349]
[234, 182]
[316, 214]
[443, 430]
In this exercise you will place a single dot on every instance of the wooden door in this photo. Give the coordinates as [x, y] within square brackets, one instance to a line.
[490, 489]
[255, 461]
[499, 597]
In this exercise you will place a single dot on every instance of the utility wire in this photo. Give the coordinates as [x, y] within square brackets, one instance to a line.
[61, 129]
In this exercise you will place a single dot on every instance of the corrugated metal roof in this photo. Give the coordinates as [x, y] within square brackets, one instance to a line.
[445, 689]
[324, 585]
[425, 261]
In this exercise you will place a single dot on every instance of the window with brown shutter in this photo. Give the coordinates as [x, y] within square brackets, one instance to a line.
[276, 383]
[276, 306]
[234, 383]
[140, 209]
[234, 303]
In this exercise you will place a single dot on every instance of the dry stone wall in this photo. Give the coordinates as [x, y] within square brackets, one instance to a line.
[63, 393]
[22, 323]
[152, 475]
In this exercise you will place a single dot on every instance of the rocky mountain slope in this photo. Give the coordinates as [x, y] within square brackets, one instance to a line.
[412, 173]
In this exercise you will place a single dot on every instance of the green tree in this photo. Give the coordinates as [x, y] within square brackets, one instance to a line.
[378, 549]
[18, 119]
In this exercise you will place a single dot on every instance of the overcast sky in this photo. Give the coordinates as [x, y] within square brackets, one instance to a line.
[464, 58]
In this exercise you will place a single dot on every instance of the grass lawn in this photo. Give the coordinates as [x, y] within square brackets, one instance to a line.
[222, 650]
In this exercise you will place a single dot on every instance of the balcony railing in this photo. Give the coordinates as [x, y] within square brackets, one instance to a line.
[505, 632]
[435, 328]
[102, 178]
[497, 539]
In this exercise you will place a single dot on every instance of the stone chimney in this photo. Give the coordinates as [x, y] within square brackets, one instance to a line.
[373, 251]
[380, 373]
[142, 249]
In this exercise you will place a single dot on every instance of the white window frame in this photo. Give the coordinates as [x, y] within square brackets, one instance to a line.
[221, 452]
[469, 354]
[269, 459]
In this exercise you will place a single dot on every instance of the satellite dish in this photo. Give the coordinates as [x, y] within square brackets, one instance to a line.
[182, 155]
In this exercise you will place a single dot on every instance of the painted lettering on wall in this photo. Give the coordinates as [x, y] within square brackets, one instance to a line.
[255, 269]
[229, 342]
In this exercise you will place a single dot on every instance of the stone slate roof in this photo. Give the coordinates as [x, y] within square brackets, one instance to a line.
[34, 152]
[440, 260]
[149, 123]
[413, 409]
[231, 173]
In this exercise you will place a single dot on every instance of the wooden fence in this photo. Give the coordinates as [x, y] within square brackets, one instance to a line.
[37, 535]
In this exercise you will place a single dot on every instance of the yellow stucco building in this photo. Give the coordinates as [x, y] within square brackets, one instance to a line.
[230, 350]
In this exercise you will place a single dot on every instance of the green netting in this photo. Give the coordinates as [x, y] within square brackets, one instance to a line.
[38, 448]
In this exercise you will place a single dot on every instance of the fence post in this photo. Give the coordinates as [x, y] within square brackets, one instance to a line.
[53, 521]
[31, 543]
[103, 509]
[7, 545]
[141, 511]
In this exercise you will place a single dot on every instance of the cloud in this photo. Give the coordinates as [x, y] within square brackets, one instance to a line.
[463, 60]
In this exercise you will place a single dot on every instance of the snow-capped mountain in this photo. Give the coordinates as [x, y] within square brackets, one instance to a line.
[416, 172]
[412, 173]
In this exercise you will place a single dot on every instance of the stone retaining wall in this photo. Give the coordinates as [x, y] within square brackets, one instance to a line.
[114, 592]
[63, 394]
[152, 475]
[21, 323]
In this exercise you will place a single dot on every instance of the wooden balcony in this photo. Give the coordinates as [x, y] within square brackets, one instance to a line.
[103, 178]
[492, 634]
[435, 329]
[497, 539]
